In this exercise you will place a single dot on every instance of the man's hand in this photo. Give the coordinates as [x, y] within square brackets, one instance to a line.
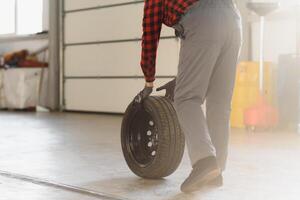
[170, 88]
[148, 89]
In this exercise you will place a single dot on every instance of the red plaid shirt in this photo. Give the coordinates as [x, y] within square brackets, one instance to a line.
[156, 13]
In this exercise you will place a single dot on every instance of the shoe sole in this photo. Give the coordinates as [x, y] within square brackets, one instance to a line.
[197, 185]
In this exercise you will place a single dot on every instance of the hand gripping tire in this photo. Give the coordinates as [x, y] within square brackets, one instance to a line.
[152, 141]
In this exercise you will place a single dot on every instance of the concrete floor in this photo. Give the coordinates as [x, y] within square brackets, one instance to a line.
[84, 150]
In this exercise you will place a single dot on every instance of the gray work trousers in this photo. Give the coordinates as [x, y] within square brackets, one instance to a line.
[210, 44]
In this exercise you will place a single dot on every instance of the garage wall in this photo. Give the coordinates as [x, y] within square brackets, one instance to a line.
[281, 31]
[102, 51]
[280, 39]
[101, 71]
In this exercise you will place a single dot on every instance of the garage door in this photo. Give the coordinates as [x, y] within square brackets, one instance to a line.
[101, 54]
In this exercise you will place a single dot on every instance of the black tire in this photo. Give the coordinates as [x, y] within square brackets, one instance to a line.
[154, 122]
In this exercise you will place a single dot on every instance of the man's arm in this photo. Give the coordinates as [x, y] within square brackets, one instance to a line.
[152, 24]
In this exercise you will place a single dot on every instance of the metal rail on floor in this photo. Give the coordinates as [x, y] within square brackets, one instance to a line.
[61, 186]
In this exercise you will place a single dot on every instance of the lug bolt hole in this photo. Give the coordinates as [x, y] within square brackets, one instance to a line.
[151, 123]
[149, 133]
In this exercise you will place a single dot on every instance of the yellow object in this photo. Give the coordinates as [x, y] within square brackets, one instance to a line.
[237, 118]
[246, 91]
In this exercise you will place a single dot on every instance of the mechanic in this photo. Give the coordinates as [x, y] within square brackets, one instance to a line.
[210, 32]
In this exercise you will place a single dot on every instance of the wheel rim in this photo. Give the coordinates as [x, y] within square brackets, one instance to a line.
[142, 138]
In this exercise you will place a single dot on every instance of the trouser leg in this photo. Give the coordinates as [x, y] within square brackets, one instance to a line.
[196, 65]
[203, 51]
[219, 96]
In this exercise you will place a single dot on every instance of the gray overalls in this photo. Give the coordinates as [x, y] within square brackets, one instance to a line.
[210, 44]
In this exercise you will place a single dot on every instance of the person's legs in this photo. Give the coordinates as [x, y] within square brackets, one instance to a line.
[196, 65]
[203, 50]
[219, 96]
[200, 50]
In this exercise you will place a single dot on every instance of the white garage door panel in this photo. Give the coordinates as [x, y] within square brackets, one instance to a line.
[81, 4]
[167, 57]
[118, 59]
[107, 24]
[103, 95]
